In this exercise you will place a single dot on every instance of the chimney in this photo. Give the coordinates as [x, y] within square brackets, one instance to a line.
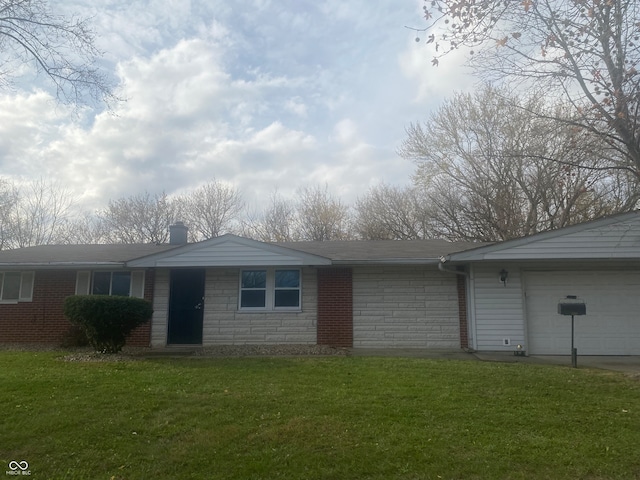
[178, 234]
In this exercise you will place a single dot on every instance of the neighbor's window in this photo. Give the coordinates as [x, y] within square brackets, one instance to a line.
[270, 289]
[122, 283]
[16, 286]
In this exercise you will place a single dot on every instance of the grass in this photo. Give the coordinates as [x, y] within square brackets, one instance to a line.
[315, 418]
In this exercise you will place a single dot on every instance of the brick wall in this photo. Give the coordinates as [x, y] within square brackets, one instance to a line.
[462, 311]
[42, 321]
[335, 307]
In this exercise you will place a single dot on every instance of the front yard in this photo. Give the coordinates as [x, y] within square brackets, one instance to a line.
[314, 418]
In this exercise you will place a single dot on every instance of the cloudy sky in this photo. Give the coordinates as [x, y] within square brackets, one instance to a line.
[258, 94]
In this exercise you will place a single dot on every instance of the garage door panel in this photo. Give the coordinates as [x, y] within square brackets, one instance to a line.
[612, 323]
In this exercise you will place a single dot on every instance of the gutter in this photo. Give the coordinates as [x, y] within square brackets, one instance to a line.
[59, 265]
[442, 268]
[388, 261]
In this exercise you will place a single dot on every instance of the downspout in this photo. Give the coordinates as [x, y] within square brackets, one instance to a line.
[469, 300]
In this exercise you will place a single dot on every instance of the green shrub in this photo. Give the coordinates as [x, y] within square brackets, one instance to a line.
[107, 320]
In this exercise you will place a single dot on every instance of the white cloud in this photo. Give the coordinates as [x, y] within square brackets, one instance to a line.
[345, 131]
[434, 83]
[259, 95]
[296, 106]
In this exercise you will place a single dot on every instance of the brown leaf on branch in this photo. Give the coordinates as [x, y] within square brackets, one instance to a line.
[502, 42]
[527, 5]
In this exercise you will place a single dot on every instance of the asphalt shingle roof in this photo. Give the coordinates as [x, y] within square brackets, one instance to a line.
[338, 251]
[79, 254]
[380, 250]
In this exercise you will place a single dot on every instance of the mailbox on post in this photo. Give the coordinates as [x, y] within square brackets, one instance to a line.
[575, 307]
[572, 305]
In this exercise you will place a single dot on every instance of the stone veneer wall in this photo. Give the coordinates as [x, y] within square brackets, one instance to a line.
[224, 324]
[405, 307]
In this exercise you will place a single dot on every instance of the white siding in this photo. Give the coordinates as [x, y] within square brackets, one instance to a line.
[405, 307]
[224, 325]
[160, 308]
[498, 310]
[233, 253]
[618, 240]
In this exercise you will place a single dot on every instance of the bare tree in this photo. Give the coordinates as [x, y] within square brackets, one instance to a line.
[393, 213]
[211, 210]
[321, 216]
[84, 229]
[275, 224]
[483, 162]
[142, 218]
[586, 52]
[8, 200]
[62, 48]
[39, 212]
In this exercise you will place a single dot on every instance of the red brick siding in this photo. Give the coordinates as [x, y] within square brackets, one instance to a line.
[39, 321]
[42, 321]
[462, 311]
[335, 307]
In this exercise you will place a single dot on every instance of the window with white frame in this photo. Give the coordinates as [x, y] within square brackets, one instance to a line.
[123, 283]
[16, 287]
[270, 289]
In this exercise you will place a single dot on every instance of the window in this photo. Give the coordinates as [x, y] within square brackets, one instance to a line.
[123, 283]
[270, 289]
[16, 286]
[287, 288]
[253, 289]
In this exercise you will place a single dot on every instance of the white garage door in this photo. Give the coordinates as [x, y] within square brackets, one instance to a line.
[611, 325]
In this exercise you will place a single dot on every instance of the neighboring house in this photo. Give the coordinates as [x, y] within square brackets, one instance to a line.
[598, 262]
[233, 290]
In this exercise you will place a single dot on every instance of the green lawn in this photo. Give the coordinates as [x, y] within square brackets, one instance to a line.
[315, 418]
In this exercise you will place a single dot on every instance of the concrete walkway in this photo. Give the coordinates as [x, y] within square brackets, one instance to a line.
[628, 364]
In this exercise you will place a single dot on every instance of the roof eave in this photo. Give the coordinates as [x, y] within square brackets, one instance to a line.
[389, 261]
[59, 265]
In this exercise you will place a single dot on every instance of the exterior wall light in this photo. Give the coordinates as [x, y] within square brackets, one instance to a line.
[504, 275]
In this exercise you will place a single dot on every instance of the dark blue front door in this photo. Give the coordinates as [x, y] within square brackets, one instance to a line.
[186, 306]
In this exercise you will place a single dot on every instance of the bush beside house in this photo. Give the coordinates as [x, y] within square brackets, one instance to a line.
[107, 320]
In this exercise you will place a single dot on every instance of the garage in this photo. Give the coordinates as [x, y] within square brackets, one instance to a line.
[612, 323]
